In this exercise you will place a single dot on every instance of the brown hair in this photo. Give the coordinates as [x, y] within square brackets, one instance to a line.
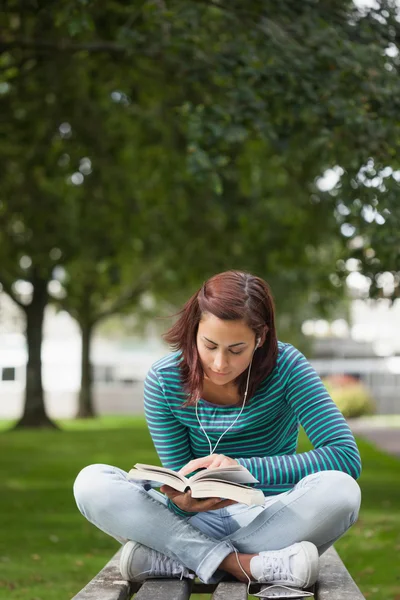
[231, 295]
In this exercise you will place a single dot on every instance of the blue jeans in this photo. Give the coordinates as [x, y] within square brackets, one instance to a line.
[320, 509]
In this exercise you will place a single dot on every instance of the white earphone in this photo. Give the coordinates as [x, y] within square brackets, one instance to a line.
[212, 450]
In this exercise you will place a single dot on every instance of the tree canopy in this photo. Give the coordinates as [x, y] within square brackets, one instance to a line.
[188, 137]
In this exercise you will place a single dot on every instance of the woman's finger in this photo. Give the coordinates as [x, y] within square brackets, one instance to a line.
[228, 462]
[224, 503]
[215, 504]
[197, 463]
[170, 492]
[215, 464]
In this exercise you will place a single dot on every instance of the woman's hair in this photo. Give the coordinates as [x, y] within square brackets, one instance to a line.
[232, 295]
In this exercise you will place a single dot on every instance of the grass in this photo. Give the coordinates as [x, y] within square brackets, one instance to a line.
[48, 551]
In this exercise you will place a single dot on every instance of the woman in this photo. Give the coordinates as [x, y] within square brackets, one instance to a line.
[231, 393]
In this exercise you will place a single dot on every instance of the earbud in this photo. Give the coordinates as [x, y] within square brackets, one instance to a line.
[258, 340]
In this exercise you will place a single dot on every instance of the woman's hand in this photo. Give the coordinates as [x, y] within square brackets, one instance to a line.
[185, 501]
[212, 461]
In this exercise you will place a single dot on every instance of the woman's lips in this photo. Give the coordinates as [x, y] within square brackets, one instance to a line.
[219, 374]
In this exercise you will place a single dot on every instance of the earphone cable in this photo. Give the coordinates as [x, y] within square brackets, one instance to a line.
[212, 450]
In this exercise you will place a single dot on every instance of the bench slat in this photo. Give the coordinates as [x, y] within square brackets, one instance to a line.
[199, 587]
[107, 585]
[164, 589]
[334, 581]
[230, 590]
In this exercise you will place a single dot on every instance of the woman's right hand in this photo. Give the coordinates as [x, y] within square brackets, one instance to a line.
[184, 501]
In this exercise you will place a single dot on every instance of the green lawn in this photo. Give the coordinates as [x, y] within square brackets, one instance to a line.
[48, 551]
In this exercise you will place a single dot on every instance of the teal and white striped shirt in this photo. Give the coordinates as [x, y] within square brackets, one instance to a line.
[264, 439]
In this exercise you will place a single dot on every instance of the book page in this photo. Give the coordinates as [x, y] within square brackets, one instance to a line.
[157, 469]
[229, 490]
[158, 475]
[235, 473]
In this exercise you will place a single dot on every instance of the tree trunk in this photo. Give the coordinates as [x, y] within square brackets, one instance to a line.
[85, 399]
[34, 409]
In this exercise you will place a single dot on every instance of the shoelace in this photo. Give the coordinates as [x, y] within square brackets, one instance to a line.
[277, 567]
[280, 567]
[161, 566]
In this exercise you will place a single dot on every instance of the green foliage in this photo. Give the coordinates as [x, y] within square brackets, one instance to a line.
[350, 396]
[374, 221]
[153, 144]
[241, 118]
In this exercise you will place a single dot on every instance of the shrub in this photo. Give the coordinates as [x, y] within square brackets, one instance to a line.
[350, 395]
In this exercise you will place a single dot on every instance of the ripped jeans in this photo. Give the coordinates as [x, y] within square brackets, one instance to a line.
[320, 509]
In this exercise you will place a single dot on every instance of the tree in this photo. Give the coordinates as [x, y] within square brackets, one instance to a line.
[235, 92]
[370, 223]
[44, 206]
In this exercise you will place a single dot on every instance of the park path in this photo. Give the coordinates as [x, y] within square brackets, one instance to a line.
[386, 438]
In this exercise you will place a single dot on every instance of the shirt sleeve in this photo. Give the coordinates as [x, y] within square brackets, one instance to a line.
[169, 436]
[334, 445]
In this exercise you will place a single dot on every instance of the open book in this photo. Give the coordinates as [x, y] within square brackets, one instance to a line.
[222, 482]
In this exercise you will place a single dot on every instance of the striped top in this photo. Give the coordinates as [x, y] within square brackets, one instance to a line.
[264, 439]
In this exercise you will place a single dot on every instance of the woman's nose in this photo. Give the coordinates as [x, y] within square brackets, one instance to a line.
[220, 362]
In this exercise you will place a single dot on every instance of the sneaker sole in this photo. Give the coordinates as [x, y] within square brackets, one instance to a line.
[126, 556]
[313, 560]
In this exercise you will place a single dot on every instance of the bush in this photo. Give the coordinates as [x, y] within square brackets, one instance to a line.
[350, 395]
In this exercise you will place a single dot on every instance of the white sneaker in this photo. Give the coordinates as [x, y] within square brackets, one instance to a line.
[139, 562]
[297, 565]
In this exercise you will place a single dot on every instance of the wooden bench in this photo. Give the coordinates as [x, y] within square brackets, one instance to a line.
[334, 583]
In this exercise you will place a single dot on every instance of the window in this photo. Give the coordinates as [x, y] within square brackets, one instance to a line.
[8, 374]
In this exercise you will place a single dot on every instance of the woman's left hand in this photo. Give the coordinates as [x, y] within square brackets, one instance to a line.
[209, 462]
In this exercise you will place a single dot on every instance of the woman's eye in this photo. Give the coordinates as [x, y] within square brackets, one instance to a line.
[231, 351]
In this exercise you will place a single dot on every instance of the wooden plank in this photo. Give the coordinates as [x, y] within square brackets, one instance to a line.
[334, 581]
[230, 590]
[107, 584]
[199, 587]
[164, 589]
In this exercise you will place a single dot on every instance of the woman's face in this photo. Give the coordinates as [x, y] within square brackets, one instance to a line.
[225, 348]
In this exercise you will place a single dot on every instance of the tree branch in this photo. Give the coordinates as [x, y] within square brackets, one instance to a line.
[132, 293]
[62, 45]
[234, 10]
[7, 288]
